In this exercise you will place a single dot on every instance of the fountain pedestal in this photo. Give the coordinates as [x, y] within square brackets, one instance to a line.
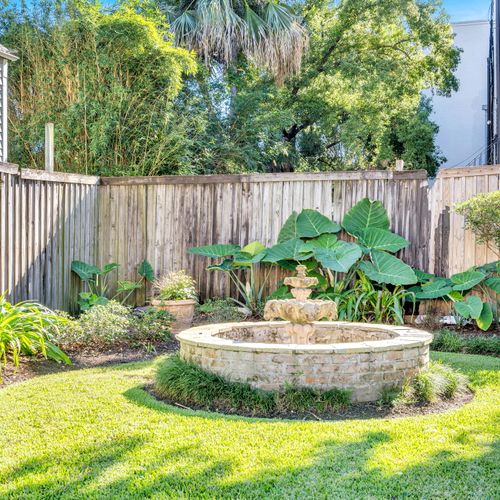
[300, 311]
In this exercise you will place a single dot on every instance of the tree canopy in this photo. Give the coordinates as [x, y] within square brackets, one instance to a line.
[126, 100]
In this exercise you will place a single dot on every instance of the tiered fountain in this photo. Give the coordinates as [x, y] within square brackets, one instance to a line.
[306, 352]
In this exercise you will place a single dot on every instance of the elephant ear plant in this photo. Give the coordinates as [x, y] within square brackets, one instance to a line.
[97, 281]
[240, 264]
[463, 290]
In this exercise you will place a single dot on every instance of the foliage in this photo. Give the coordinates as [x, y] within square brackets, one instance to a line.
[175, 286]
[219, 310]
[102, 324]
[27, 328]
[449, 341]
[482, 279]
[239, 261]
[151, 325]
[180, 381]
[113, 324]
[97, 280]
[106, 78]
[97, 432]
[482, 217]
[365, 302]
[113, 85]
[267, 33]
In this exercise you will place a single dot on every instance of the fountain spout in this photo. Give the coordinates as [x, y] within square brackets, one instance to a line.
[300, 311]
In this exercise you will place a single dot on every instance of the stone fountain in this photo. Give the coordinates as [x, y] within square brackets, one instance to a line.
[300, 311]
[303, 351]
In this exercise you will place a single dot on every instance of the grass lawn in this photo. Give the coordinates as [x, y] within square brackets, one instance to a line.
[96, 434]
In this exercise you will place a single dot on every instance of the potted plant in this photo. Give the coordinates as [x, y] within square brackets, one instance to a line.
[175, 292]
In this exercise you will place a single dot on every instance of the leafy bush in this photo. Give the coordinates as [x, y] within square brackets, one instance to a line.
[151, 324]
[115, 324]
[449, 341]
[219, 310]
[175, 286]
[27, 328]
[482, 216]
[181, 381]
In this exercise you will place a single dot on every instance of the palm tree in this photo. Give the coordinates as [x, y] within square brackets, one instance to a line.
[269, 34]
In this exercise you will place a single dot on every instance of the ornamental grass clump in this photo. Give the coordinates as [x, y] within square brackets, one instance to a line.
[184, 382]
[27, 328]
[175, 286]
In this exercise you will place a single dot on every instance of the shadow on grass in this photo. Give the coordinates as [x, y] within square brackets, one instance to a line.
[337, 470]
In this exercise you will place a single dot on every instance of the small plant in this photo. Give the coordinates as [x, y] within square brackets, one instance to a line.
[482, 217]
[219, 310]
[175, 286]
[438, 382]
[27, 328]
[97, 280]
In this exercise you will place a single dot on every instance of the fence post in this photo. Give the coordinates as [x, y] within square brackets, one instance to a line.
[400, 165]
[49, 147]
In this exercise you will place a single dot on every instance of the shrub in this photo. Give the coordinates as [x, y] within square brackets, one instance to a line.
[482, 216]
[181, 381]
[449, 341]
[102, 324]
[27, 328]
[175, 286]
[219, 310]
[151, 324]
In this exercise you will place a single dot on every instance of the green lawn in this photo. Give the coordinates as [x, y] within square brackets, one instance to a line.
[95, 434]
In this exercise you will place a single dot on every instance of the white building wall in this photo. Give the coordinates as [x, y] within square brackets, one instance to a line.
[461, 118]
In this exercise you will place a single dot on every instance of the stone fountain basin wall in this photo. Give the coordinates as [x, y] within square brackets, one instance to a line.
[363, 358]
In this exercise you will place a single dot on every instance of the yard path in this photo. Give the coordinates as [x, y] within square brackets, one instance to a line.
[95, 433]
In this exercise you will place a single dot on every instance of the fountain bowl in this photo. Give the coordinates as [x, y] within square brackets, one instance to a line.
[360, 357]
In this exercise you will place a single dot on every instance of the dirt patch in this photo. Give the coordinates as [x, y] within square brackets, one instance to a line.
[354, 411]
[87, 358]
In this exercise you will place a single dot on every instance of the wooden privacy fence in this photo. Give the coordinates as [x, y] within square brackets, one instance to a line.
[48, 220]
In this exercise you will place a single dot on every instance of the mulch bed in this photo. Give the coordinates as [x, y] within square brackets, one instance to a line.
[83, 358]
[354, 411]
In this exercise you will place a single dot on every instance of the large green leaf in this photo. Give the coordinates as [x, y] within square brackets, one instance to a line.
[493, 283]
[422, 276]
[376, 238]
[145, 270]
[311, 223]
[491, 267]
[242, 259]
[215, 251]
[289, 250]
[434, 289]
[485, 318]
[107, 268]
[466, 280]
[471, 307]
[225, 265]
[385, 268]
[84, 271]
[324, 241]
[254, 248]
[289, 229]
[365, 214]
[339, 257]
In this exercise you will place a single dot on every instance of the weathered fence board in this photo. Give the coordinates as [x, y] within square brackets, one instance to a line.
[49, 219]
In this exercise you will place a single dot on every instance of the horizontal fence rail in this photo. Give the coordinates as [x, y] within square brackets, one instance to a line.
[49, 219]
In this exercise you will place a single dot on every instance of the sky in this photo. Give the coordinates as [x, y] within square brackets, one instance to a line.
[467, 10]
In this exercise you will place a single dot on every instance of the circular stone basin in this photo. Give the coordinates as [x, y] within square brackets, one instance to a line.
[360, 357]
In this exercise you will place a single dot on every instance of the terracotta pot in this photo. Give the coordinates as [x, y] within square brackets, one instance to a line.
[181, 310]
